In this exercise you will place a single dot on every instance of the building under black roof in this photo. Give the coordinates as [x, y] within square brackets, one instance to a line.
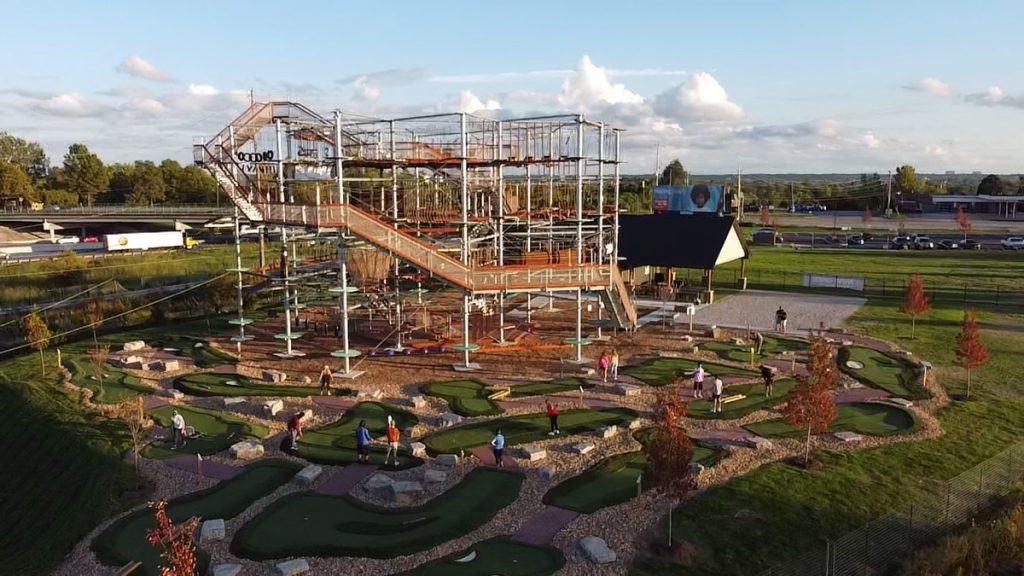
[697, 241]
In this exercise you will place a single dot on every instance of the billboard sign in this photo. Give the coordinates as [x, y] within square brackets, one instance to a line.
[688, 199]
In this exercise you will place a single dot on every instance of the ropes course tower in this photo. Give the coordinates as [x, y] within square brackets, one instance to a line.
[489, 207]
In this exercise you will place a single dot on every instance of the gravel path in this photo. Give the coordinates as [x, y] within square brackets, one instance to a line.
[756, 309]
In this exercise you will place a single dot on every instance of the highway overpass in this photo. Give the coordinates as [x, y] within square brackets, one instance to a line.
[74, 218]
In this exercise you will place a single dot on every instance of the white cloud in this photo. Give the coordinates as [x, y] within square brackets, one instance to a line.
[144, 107]
[138, 67]
[701, 98]
[469, 102]
[589, 87]
[871, 141]
[996, 96]
[932, 86]
[70, 105]
[202, 90]
[364, 91]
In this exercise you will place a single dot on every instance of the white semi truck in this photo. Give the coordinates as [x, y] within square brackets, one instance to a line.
[148, 240]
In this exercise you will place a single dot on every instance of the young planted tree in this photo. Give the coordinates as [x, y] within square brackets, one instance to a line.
[970, 351]
[37, 333]
[810, 405]
[963, 221]
[132, 413]
[866, 217]
[765, 217]
[176, 540]
[915, 303]
[98, 358]
[94, 314]
[669, 452]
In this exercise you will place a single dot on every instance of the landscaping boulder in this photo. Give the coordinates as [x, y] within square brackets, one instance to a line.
[547, 473]
[272, 407]
[378, 482]
[226, 570]
[582, 448]
[293, 567]
[687, 338]
[307, 414]
[308, 475]
[133, 346]
[369, 394]
[448, 419]
[403, 492]
[533, 453]
[608, 431]
[627, 389]
[596, 550]
[432, 475]
[696, 468]
[447, 459]
[172, 393]
[307, 380]
[849, 437]
[165, 366]
[133, 362]
[211, 531]
[738, 341]
[274, 376]
[585, 371]
[246, 450]
[419, 449]
[418, 401]
[901, 402]
[232, 402]
[758, 443]
[636, 424]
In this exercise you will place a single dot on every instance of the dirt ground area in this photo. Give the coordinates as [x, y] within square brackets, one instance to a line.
[756, 309]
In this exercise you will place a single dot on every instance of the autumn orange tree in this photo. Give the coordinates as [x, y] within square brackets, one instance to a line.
[765, 217]
[970, 351]
[866, 218]
[178, 542]
[915, 303]
[963, 221]
[810, 405]
[669, 451]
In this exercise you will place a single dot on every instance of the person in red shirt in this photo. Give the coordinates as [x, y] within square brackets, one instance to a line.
[393, 436]
[295, 428]
[552, 412]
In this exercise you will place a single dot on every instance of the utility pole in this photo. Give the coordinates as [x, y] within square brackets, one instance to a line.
[888, 202]
[657, 163]
[739, 192]
[792, 199]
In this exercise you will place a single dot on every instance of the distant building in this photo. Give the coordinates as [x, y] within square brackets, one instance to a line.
[1005, 206]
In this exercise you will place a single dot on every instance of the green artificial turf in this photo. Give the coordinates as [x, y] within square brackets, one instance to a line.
[867, 418]
[662, 371]
[125, 540]
[755, 400]
[465, 397]
[613, 480]
[773, 346]
[116, 384]
[309, 524]
[219, 430]
[335, 443]
[559, 386]
[211, 384]
[523, 429]
[898, 376]
[495, 556]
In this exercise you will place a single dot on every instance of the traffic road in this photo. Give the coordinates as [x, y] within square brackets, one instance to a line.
[881, 241]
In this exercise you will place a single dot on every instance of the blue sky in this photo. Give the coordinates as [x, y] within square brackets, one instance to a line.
[770, 87]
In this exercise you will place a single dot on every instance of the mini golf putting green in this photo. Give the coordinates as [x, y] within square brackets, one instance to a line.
[210, 384]
[898, 376]
[661, 371]
[116, 386]
[335, 443]
[310, 524]
[465, 397]
[613, 480]
[755, 400]
[524, 429]
[495, 556]
[866, 418]
[125, 540]
[773, 346]
[559, 386]
[218, 431]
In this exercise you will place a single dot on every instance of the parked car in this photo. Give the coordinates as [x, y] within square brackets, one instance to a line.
[1013, 243]
[855, 240]
[68, 240]
[970, 244]
[900, 243]
[923, 243]
[91, 239]
[949, 244]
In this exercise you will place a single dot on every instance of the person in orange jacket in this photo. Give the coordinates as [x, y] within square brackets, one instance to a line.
[392, 435]
[552, 412]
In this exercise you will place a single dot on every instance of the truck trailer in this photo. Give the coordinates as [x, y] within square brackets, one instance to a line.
[147, 240]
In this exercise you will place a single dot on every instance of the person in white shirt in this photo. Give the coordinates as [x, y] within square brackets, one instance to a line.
[177, 430]
[717, 396]
[698, 381]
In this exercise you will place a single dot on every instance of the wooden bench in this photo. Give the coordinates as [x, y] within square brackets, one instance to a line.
[733, 398]
[499, 394]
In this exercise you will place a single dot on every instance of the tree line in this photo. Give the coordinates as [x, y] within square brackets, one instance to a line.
[83, 179]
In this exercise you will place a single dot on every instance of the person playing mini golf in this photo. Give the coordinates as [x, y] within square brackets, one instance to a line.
[325, 380]
[177, 430]
[780, 320]
[295, 428]
[698, 381]
[552, 412]
[498, 443]
[768, 373]
[363, 442]
[717, 396]
[393, 435]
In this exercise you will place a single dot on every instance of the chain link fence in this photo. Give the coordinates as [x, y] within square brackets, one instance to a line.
[881, 546]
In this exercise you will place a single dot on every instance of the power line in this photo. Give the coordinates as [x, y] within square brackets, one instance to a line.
[58, 303]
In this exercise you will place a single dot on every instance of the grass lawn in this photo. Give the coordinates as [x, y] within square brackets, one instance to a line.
[115, 386]
[867, 418]
[309, 524]
[547, 388]
[788, 511]
[755, 400]
[661, 371]
[465, 397]
[210, 384]
[523, 429]
[612, 481]
[495, 556]
[125, 540]
[773, 346]
[893, 374]
[335, 443]
[219, 431]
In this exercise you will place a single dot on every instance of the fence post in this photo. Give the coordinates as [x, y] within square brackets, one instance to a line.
[867, 546]
[910, 537]
[981, 482]
[828, 555]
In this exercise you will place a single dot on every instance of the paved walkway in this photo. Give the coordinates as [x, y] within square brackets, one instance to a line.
[566, 401]
[733, 436]
[756, 309]
[334, 402]
[344, 480]
[541, 528]
[153, 402]
[486, 457]
[211, 469]
[860, 395]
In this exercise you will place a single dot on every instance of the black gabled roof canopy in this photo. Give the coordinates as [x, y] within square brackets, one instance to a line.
[677, 240]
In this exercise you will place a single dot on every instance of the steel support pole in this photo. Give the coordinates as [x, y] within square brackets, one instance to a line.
[615, 233]
[551, 204]
[287, 299]
[464, 168]
[238, 268]
[529, 223]
[501, 229]
[579, 234]
[343, 278]
[600, 216]
[338, 159]
[280, 162]
[394, 216]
